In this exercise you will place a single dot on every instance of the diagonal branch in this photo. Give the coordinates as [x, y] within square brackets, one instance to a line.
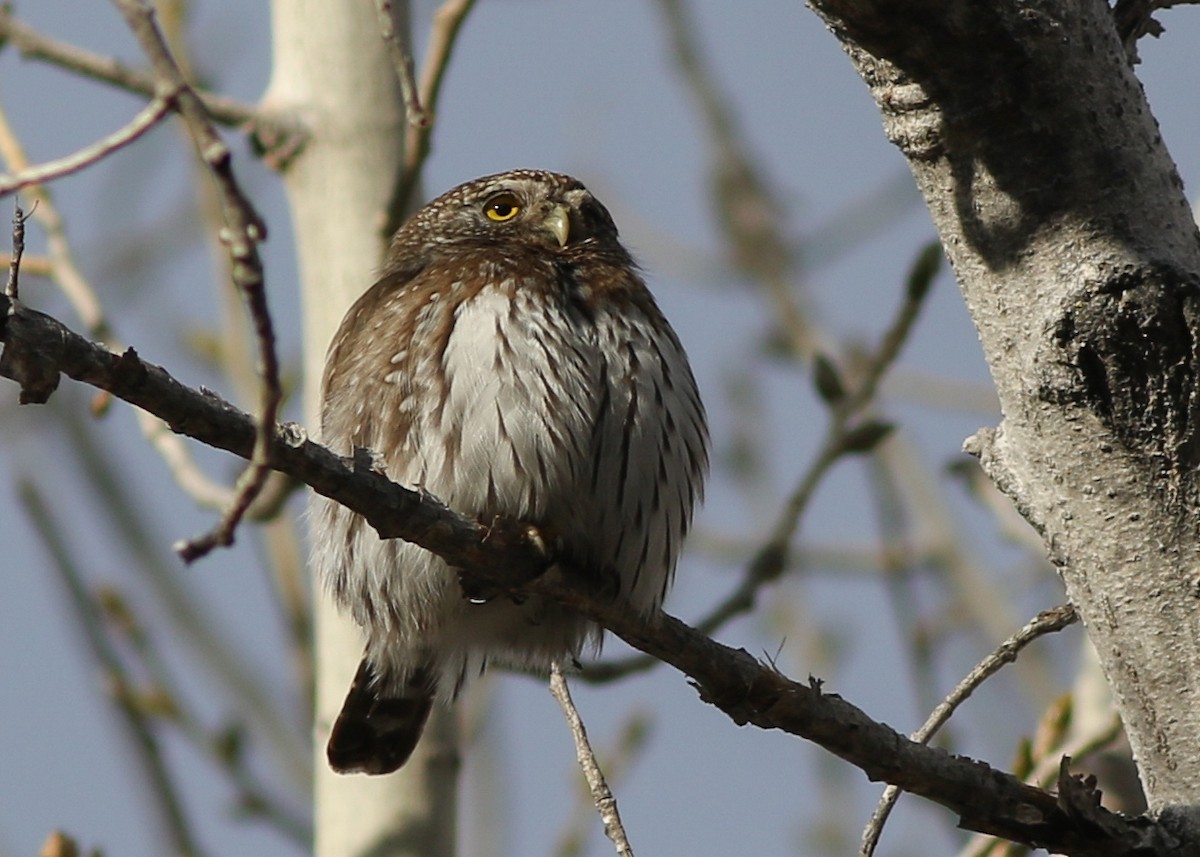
[164, 785]
[443, 35]
[602, 795]
[843, 437]
[507, 557]
[34, 45]
[242, 233]
[394, 29]
[1046, 622]
[146, 118]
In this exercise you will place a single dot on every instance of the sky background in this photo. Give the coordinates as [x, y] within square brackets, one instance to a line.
[587, 88]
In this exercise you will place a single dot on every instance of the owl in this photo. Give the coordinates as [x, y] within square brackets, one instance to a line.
[510, 361]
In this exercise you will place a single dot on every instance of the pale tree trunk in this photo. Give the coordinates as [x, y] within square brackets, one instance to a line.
[332, 71]
[1076, 251]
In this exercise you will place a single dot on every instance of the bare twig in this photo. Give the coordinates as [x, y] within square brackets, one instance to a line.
[38, 266]
[147, 118]
[742, 197]
[242, 233]
[920, 278]
[68, 276]
[447, 21]
[236, 357]
[900, 570]
[34, 45]
[1046, 622]
[621, 753]
[62, 263]
[224, 746]
[396, 38]
[602, 796]
[121, 689]
[12, 288]
[155, 571]
[844, 436]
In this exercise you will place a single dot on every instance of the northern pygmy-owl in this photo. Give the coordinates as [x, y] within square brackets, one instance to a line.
[510, 361]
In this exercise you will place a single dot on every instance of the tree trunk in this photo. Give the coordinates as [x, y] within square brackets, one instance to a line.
[332, 70]
[1077, 254]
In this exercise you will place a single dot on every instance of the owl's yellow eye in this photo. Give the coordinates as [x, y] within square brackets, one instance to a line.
[502, 207]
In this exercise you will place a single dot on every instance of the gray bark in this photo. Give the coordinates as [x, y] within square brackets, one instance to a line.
[1077, 255]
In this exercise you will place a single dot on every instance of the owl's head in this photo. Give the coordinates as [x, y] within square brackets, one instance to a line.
[527, 209]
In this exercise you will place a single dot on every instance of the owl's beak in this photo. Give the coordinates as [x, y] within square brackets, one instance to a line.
[558, 222]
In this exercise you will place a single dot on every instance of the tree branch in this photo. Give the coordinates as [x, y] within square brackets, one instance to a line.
[164, 787]
[146, 118]
[396, 36]
[602, 796]
[443, 35]
[1046, 622]
[506, 557]
[34, 45]
[243, 231]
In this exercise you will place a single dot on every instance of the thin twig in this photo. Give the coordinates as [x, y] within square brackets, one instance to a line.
[983, 607]
[243, 231]
[899, 566]
[147, 118]
[224, 747]
[917, 284]
[741, 193]
[165, 795]
[37, 266]
[396, 39]
[619, 756]
[64, 271]
[236, 357]
[12, 288]
[602, 796]
[840, 440]
[1046, 622]
[443, 35]
[190, 618]
[34, 45]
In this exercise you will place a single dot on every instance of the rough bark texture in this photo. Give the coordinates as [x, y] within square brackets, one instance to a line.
[1078, 257]
[332, 71]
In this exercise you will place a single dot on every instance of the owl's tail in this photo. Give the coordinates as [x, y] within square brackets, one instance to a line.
[375, 734]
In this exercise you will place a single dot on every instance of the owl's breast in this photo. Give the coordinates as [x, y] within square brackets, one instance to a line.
[509, 432]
